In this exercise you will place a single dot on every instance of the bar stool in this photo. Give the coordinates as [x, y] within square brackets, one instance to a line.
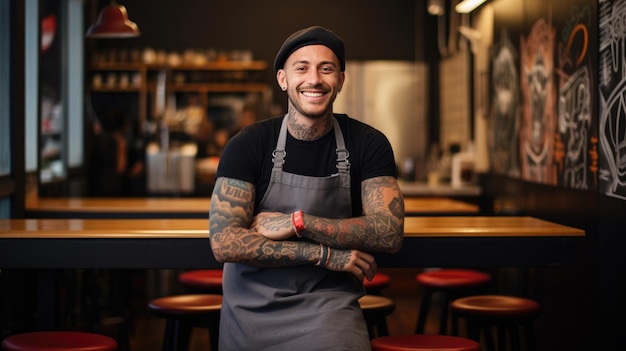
[424, 342]
[58, 341]
[507, 314]
[377, 284]
[449, 284]
[185, 312]
[375, 311]
[202, 280]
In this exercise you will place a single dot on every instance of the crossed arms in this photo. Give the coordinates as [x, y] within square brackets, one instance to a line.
[264, 240]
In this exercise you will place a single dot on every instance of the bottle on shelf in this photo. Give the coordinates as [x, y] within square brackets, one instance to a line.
[463, 167]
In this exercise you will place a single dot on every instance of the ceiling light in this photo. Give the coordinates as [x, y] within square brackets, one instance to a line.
[113, 22]
[435, 7]
[467, 6]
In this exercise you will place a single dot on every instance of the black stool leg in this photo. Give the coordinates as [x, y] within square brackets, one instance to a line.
[488, 337]
[381, 323]
[473, 330]
[177, 335]
[214, 335]
[531, 341]
[455, 324]
[168, 336]
[183, 336]
[423, 312]
[443, 314]
[502, 340]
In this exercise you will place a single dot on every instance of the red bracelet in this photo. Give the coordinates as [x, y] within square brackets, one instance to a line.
[297, 222]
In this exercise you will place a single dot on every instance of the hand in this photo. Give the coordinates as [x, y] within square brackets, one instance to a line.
[361, 264]
[273, 225]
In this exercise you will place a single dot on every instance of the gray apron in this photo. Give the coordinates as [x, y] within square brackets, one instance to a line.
[302, 307]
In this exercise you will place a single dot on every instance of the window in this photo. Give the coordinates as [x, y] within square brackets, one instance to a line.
[5, 125]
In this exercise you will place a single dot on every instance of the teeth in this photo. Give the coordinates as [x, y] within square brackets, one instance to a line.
[309, 94]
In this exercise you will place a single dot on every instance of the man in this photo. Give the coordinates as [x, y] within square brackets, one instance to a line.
[299, 204]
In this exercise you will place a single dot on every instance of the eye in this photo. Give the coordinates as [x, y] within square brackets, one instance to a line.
[327, 69]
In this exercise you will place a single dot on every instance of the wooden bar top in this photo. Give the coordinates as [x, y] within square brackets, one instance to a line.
[430, 241]
[457, 226]
[104, 228]
[197, 207]
[127, 204]
[442, 189]
[485, 226]
[437, 205]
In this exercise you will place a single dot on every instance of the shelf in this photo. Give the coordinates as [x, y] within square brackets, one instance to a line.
[209, 66]
[213, 77]
[118, 66]
[219, 87]
[223, 66]
[116, 90]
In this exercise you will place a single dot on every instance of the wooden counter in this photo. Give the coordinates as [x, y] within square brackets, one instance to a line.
[183, 243]
[195, 207]
[186, 207]
[486, 226]
[431, 206]
[441, 189]
[460, 241]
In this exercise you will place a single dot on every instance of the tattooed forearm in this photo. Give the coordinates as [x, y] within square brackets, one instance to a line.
[378, 232]
[232, 204]
[232, 208]
[380, 229]
[242, 246]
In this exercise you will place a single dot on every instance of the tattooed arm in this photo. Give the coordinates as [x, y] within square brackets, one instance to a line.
[232, 208]
[380, 229]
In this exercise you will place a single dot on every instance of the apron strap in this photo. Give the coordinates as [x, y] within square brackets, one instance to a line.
[279, 154]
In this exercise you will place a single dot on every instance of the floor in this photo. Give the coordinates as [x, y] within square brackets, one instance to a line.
[146, 331]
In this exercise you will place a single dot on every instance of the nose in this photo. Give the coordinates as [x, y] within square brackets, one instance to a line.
[313, 77]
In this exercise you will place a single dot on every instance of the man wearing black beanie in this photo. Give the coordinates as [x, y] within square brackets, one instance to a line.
[300, 204]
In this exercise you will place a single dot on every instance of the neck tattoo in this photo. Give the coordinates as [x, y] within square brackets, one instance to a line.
[304, 132]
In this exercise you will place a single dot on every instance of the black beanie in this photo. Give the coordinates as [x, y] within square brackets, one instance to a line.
[315, 35]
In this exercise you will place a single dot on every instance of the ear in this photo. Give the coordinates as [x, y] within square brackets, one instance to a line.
[342, 78]
[281, 78]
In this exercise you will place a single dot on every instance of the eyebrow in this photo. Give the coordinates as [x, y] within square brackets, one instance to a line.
[321, 64]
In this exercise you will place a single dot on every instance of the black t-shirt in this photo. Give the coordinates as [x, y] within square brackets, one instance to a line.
[248, 155]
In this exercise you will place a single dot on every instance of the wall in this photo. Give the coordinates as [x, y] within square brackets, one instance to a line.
[557, 162]
[454, 100]
[372, 29]
[391, 95]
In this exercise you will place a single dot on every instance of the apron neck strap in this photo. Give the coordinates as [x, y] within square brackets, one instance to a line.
[279, 154]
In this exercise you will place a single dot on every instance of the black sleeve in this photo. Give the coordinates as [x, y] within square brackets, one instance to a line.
[240, 158]
[378, 158]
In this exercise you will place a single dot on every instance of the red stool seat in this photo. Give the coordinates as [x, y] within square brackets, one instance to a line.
[450, 284]
[375, 311]
[496, 306]
[505, 313]
[185, 312]
[453, 278]
[377, 284]
[58, 341]
[424, 342]
[205, 280]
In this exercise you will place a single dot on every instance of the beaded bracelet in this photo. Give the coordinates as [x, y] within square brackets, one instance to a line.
[324, 256]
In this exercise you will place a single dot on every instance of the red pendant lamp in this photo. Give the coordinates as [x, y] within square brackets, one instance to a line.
[113, 22]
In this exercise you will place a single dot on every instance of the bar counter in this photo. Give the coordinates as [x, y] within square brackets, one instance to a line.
[196, 207]
[430, 241]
